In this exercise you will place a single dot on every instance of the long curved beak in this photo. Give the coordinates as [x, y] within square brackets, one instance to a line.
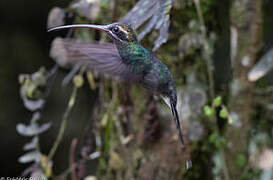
[88, 26]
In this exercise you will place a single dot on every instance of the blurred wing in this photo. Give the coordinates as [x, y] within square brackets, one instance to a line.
[101, 58]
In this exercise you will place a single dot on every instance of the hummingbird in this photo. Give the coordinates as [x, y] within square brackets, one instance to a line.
[133, 63]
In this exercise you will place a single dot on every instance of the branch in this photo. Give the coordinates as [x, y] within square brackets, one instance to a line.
[63, 124]
[72, 164]
[71, 103]
[207, 55]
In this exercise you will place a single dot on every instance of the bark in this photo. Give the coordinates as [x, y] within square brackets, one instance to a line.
[245, 19]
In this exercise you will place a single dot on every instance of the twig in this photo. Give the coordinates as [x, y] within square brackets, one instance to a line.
[70, 75]
[67, 171]
[81, 161]
[51, 75]
[71, 103]
[63, 124]
[72, 159]
[53, 71]
[206, 49]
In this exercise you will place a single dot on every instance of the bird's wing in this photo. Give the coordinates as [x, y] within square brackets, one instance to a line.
[101, 58]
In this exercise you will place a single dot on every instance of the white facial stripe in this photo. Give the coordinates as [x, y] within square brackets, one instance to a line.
[124, 31]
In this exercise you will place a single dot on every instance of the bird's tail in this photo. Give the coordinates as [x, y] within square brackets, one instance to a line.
[176, 118]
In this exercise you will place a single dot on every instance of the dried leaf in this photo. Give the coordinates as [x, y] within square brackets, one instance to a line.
[32, 168]
[35, 117]
[116, 161]
[265, 160]
[87, 8]
[90, 178]
[44, 127]
[127, 139]
[32, 130]
[38, 174]
[39, 77]
[32, 144]
[33, 105]
[56, 17]
[94, 155]
[30, 157]
[188, 164]
[264, 65]
[31, 90]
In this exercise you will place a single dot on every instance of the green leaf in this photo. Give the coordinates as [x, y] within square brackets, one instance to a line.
[217, 101]
[216, 140]
[30, 90]
[91, 80]
[230, 120]
[209, 111]
[31, 145]
[240, 160]
[104, 120]
[46, 165]
[212, 138]
[223, 113]
[78, 81]
[221, 141]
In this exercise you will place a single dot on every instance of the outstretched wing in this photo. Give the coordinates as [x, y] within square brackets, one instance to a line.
[101, 58]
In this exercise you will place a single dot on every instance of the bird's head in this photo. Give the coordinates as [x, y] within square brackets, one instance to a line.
[120, 33]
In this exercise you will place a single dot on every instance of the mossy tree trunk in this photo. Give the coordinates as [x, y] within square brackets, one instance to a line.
[246, 20]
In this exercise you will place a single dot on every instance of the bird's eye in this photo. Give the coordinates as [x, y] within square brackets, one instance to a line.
[115, 29]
